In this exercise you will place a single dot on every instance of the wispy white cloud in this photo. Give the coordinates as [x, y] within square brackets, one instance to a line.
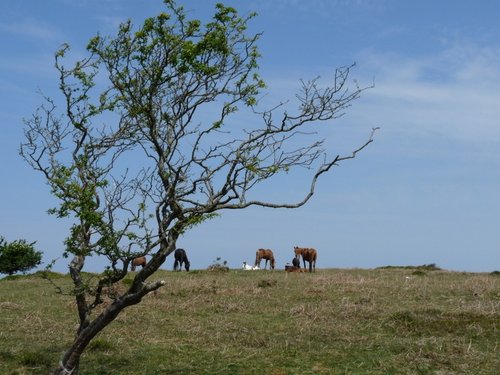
[30, 28]
[454, 93]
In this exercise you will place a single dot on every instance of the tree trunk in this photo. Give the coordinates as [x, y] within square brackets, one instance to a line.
[69, 364]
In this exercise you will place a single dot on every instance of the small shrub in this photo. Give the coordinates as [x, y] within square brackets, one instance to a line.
[419, 273]
[218, 266]
[429, 267]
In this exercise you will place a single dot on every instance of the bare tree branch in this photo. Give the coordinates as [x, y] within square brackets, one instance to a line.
[148, 144]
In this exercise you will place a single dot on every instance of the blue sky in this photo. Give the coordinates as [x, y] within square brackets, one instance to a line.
[426, 191]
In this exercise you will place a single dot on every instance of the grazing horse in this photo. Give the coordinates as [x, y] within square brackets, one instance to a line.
[141, 261]
[296, 262]
[181, 257]
[264, 254]
[307, 254]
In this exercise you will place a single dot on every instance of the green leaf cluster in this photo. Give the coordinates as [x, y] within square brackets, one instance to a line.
[18, 256]
[170, 51]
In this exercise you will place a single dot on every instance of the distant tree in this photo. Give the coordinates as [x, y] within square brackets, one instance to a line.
[18, 256]
[147, 147]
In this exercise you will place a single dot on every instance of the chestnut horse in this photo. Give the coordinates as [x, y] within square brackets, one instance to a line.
[307, 254]
[264, 254]
[141, 261]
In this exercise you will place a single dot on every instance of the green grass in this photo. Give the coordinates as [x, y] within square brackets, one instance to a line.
[383, 321]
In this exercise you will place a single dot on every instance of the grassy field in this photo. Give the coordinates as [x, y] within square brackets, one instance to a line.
[383, 321]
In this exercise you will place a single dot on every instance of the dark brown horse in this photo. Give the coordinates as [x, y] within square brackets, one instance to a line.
[180, 257]
[264, 254]
[308, 255]
[141, 261]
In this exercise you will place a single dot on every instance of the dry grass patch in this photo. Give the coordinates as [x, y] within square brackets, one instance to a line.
[387, 321]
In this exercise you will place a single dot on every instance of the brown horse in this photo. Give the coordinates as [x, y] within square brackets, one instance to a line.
[141, 261]
[307, 254]
[264, 254]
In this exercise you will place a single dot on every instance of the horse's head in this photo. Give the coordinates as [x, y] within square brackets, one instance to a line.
[186, 265]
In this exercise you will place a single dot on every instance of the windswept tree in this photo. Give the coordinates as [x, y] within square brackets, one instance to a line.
[18, 256]
[149, 143]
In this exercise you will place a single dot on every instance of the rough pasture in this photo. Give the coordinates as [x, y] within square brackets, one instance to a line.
[387, 321]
